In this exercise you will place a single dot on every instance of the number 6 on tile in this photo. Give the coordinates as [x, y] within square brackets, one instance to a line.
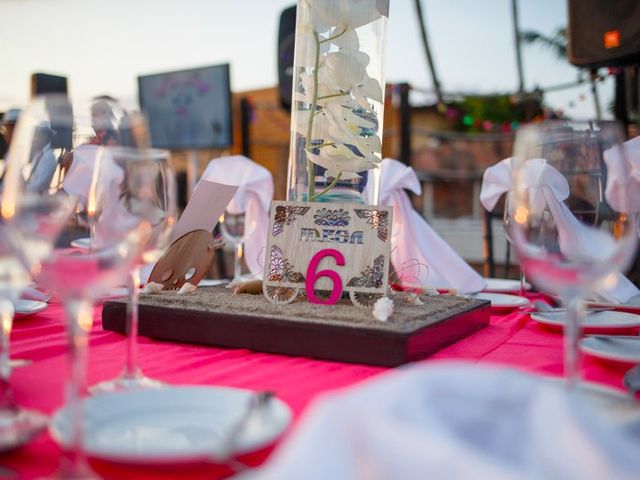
[313, 276]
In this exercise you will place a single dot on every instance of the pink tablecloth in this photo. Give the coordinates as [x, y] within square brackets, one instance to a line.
[512, 339]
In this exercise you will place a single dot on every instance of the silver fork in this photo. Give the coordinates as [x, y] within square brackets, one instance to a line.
[257, 401]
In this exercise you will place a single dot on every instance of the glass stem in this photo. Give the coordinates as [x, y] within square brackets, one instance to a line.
[131, 365]
[237, 265]
[522, 280]
[573, 304]
[6, 394]
[79, 320]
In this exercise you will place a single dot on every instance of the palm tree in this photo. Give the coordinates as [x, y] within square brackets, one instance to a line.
[427, 51]
[558, 44]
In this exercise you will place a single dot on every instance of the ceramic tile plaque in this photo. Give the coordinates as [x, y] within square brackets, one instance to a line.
[325, 249]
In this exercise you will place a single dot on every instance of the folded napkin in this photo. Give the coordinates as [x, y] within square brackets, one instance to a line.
[77, 181]
[622, 190]
[119, 216]
[460, 421]
[414, 242]
[254, 195]
[547, 187]
[496, 181]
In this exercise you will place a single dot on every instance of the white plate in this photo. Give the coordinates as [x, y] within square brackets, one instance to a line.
[170, 425]
[502, 300]
[593, 320]
[84, 243]
[619, 348]
[28, 307]
[504, 285]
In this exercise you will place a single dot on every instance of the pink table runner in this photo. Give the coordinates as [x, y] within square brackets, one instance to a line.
[511, 339]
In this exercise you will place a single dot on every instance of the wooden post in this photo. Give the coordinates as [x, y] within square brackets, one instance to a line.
[427, 51]
[405, 124]
[245, 127]
[489, 266]
[516, 44]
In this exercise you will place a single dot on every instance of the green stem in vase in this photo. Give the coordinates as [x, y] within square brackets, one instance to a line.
[329, 187]
[311, 177]
[335, 36]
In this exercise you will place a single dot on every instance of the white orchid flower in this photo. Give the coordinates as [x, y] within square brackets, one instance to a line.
[345, 38]
[344, 69]
[346, 127]
[370, 89]
[323, 94]
[339, 160]
[349, 13]
[320, 123]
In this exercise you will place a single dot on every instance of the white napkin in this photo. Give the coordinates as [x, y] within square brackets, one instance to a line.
[254, 195]
[77, 181]
[623, 176]
[548, 187]
[497, 180]
[459, 421]
[414, 240]
[116, 220]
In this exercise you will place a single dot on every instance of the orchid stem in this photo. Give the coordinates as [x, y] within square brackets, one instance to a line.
[324, 97]
[326, 144]
[329, 187]
[334, 37]
[311, 177]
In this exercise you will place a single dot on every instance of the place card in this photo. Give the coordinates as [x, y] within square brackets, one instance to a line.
[326, 249]
[208, 202]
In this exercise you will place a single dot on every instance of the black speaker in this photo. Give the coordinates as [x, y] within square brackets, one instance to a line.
[604, 33]
[59, 107]
[42, 83]
[286, 45]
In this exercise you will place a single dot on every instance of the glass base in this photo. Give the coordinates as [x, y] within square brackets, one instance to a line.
[18, 426]
[80, 471]
[126, 383]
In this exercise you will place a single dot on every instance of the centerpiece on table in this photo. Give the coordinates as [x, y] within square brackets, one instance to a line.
[335, 157]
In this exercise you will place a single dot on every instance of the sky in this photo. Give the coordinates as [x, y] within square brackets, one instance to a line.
[102, 46]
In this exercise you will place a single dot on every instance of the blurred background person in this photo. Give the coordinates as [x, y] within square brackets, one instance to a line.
[104, 123]
[7, 126]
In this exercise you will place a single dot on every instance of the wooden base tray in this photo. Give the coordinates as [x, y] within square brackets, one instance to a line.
[342, 332]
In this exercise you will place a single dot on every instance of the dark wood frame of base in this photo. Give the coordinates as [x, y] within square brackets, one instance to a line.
[327, 341]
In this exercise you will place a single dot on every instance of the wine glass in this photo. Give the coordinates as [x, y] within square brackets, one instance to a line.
[16, 423]
[506, 221]
[572, 216]
[90, 190]
[232, 227]
[155, 165]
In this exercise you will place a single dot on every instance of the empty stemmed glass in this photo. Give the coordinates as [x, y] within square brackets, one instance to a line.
[232, 227]
[89, 189]
[571, 213]
[155, 166]
[506, 220]
[17, 424]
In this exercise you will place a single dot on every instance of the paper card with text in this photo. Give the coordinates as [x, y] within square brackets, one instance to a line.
[324, 249]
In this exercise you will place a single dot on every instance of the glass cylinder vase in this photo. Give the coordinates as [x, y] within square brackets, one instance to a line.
[338, 101]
